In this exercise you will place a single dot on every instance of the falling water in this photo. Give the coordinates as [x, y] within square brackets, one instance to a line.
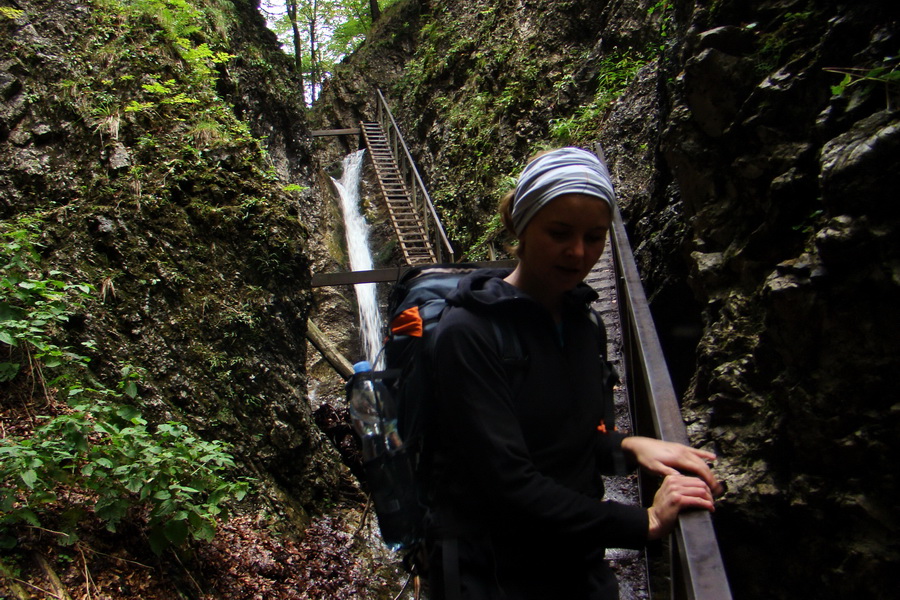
[370, 323]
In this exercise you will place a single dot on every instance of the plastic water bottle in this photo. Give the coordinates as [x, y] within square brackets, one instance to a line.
[387, 464]
[364, 412]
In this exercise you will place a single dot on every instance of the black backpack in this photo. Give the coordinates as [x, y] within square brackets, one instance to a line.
[399, 481]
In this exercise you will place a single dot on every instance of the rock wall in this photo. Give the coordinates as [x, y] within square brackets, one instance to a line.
[789, 236]
[160, 179]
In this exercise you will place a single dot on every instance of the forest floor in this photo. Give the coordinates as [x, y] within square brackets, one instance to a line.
[243, 562]
[338, 556]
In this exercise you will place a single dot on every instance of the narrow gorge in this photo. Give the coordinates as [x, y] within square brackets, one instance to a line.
[156, 155]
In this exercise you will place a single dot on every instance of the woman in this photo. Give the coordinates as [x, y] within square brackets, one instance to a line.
[517, 501]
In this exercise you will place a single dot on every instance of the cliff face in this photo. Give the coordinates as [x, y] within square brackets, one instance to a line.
[156, 150]
[753, 165]
[147, 185]
[791, 246]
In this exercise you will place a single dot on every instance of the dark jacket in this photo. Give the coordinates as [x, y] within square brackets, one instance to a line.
[519, 457]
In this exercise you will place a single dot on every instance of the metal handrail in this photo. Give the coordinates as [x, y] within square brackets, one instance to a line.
[440, 241]
[699, 573]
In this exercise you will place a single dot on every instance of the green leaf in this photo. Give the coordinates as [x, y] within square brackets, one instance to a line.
[9, 312]
[8, 371]
[158, 540]
[30, 478]
[111, 511]
[104, 462]
[176, 532]
[129, 413]
[29, 517]
[204, 531]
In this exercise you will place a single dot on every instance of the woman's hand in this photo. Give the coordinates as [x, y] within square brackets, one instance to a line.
[669, 458]
[677, 492]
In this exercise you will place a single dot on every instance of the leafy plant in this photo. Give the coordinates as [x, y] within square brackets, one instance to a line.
[886, 75]
[95, 446]
[32, 307]
[663, 8]
[110, 452]
[807, 226]
[615, 73]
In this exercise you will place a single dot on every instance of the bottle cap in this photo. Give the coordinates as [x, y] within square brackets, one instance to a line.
[362, 366]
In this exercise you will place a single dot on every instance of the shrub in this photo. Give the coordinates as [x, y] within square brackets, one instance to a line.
[97, 446]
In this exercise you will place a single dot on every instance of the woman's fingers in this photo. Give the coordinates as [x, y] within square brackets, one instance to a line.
[697, 464]
[677, 493]
[668, 458]
[692, 460]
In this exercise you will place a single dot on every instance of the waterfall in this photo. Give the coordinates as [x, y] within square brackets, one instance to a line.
[370, 324]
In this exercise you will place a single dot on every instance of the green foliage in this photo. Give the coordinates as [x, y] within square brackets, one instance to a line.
[885, 76]
[181, 25]
[616, 72]
[662, 8]
[109, 450]
[808, 224]
[167, 74]
[98, 447]
[784, 43]
[31, 307]
[328, 31]
[10, 13]
[492, 231]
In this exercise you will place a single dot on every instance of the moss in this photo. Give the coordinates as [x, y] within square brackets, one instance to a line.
[487, 93]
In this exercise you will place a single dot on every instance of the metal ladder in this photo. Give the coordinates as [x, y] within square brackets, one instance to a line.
[411, 233]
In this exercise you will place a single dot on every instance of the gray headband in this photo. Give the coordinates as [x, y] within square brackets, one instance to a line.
[563, 171]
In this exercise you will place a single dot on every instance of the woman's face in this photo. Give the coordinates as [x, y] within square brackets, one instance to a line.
[562, 243]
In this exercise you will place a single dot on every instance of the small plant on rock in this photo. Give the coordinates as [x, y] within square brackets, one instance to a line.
[89, 445]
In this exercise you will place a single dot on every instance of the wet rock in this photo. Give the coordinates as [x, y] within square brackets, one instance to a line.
[715, 86]
[10, 85]
[119, 157]
[737, 41]
[707, 273]
[859, 167]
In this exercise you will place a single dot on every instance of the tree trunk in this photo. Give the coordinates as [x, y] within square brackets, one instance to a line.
[375, 10]
[314, 62]
[291, 6]
[327, 349]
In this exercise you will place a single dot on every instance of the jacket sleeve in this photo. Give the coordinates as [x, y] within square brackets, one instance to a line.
[611, 459]
[480, 431]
